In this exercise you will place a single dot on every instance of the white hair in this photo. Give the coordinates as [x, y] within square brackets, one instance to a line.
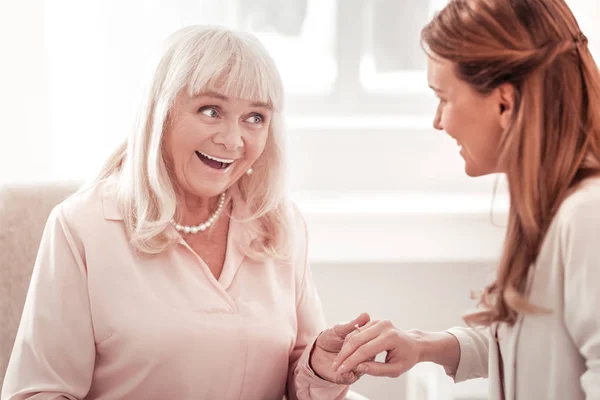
[202, 59]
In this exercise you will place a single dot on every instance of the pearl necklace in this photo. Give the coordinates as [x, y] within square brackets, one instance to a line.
[205, 225]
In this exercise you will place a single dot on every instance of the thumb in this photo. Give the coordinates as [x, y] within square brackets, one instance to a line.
[344, 330]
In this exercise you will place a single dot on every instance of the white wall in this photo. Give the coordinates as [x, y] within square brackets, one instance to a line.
[24, 140]
[424, 296]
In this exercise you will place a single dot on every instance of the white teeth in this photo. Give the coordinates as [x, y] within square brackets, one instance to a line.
[224, 161]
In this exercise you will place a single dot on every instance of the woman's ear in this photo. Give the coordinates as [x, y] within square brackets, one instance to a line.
[506, 103]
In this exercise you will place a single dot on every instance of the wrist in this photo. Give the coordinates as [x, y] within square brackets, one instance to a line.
[310, 364]
[423, 344]
[440, 348]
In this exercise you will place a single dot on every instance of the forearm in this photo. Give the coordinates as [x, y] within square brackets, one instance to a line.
[441, 348]
[305, 384]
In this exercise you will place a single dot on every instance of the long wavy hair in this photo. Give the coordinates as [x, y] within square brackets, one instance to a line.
[202, 59]
[553, 141]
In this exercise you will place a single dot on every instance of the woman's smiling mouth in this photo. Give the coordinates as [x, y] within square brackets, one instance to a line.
[214, 162]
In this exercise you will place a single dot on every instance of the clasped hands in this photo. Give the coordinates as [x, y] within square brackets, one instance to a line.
[345, 352]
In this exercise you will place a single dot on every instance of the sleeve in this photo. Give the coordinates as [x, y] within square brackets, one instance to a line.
[303, 383]
[54, 351]
[581, 255]
[474, 353]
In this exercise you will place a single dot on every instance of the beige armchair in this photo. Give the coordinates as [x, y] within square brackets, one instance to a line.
[24, 210]
[23, 213]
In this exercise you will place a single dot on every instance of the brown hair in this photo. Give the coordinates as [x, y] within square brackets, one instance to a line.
[553, 141]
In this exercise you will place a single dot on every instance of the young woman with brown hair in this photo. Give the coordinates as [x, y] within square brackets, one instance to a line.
[520, 93]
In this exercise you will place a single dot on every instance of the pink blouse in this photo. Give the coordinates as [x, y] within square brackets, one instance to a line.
[102, 322]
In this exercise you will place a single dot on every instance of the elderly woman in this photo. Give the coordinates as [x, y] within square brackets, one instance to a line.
[181, 272]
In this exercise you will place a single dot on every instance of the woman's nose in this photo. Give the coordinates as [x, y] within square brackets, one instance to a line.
[229, 136]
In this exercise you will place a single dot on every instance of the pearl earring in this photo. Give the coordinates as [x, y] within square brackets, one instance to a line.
[250, 171]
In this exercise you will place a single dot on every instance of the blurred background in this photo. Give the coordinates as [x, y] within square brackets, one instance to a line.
[396, 228]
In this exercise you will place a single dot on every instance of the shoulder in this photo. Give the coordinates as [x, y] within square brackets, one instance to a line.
[297, 219]
[581, 209]
[86, 204]
[88, 212]
[298, 242]
[298, 230]
[576, 229]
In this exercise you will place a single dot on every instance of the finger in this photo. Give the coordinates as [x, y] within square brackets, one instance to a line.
[359, 329]
[363, 353]
[344, 329]
[369, 322]
[348, 378]
[355, 342]
[375, 368]
[331, 340]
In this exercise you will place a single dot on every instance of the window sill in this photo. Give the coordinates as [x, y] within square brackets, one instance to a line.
[404, 227]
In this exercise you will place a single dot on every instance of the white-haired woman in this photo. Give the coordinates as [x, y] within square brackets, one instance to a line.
[181, 272]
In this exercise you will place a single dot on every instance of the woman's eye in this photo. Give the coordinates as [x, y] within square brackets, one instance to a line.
[255, 119]
[209, 112]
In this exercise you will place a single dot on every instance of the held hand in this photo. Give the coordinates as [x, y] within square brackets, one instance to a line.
[327, 346]
[357, 354]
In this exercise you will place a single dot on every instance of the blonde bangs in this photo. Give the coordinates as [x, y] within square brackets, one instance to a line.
[238, 67]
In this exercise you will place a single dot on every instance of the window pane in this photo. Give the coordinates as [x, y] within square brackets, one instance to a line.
[300, 35]
[393, 61]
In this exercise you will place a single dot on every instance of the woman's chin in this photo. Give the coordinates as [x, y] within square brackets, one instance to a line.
[206, 189]
[475, 171]
[471, 168]
[471, 173]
